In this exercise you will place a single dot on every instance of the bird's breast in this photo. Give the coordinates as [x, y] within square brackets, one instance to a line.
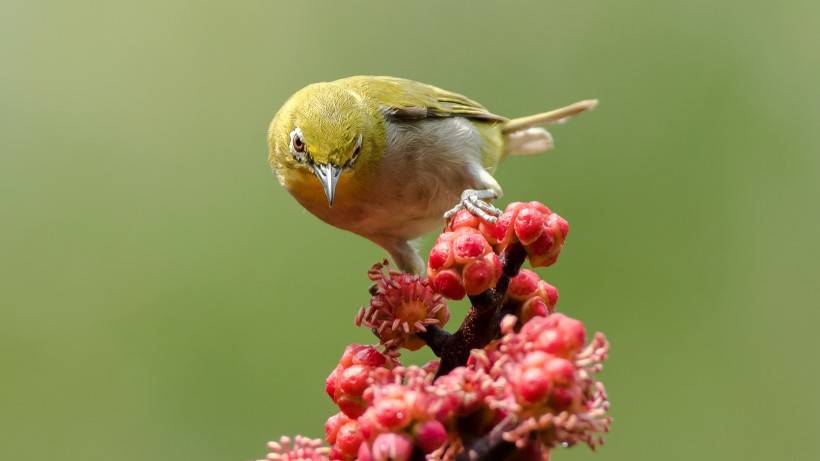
[421, 173]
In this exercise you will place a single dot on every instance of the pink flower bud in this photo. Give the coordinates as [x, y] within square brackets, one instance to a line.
[524, 285]
[536, 359]
[448, 283]
[532, 385]
[514, 207]
[336, 454]
[392, 447]
[469, 246]
[560, 371]
[348, 439]
[562, 398]
[541, 246]
[441, 257]
[540, 207]
[430, 435]
[559, 225]
[533, 307]
[351, 406]
[551, 341]
[571, 330]
[529, 225]
[364, 453]
[463, 218]
[550, 293]
[332, 426]
[479, 276]
[330, 382]
[392, 413]
[353, 380]
[370, 356]
[497, 231]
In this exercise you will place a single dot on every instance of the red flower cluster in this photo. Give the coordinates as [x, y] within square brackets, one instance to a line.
[540, 378]
[528, 386]
[462, 262]
[531, 296]
[348, 381]
[298, 449]
[532, 224]
[549, 372]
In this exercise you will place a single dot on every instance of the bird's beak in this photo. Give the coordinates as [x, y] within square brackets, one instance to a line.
[329, 176]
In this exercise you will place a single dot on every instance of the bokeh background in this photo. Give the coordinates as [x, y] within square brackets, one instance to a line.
[163, 298]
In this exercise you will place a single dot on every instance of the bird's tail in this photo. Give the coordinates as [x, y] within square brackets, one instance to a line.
[524, 136]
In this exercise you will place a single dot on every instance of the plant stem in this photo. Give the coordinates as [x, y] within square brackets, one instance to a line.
[480, 326]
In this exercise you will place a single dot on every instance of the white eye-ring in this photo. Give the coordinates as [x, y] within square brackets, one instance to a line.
[297, 145]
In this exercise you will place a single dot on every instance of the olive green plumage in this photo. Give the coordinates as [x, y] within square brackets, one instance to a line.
[384, 157]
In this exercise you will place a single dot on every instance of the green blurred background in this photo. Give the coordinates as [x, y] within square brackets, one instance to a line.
[163, 298]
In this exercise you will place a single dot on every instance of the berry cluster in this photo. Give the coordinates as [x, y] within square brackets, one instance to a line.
[527, 386]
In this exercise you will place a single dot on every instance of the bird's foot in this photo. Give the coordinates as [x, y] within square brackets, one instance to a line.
[475, 202]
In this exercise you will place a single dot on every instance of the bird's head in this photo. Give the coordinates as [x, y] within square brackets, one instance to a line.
[326, 131]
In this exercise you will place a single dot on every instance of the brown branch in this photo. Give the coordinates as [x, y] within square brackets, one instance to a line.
[490, 447]
[435, 337]
[480, 326]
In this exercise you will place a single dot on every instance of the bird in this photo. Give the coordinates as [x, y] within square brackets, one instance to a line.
[387, 158]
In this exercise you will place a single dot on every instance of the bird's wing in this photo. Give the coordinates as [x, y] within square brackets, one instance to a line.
[409, 100]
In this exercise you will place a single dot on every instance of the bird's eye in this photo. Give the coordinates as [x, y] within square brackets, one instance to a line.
[298, 144]
[356, 152]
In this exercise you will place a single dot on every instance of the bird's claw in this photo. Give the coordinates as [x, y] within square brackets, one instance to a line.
[474, 202]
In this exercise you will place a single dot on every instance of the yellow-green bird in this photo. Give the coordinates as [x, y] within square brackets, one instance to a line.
[385, 157]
